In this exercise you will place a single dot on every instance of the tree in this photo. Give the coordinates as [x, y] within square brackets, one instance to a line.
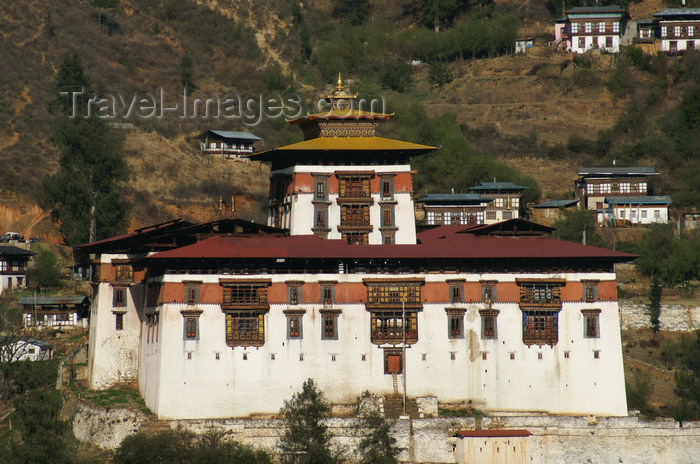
[655, 304]
[46, 270]
[439, 73]
[186, 447]
[377, 445]
[306, 438]
[435, 13]
[355, 11]
[687, 380]
[572, 224]
[84, 194]
[186, 73]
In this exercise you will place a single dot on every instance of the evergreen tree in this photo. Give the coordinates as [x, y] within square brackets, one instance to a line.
[84, 194]
[46, 270]
[655, 305]
[306, 439]
[377, 445]
[355, 11]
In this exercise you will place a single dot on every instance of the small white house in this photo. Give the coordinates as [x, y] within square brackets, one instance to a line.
[25, 349]
[637, 209]
[596, 27]
[679, 29]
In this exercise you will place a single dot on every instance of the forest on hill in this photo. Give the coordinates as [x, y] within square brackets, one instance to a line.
[445, 68]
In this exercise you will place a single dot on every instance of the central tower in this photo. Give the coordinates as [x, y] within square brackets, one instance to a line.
[342, 181]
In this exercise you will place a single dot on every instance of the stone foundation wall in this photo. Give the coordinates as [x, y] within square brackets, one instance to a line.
[554, 440]
[673, 317]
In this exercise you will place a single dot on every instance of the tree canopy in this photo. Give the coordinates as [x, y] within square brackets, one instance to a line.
[84, 195]
[306, 437]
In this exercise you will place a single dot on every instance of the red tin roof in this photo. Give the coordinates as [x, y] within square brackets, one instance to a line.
[442, 246]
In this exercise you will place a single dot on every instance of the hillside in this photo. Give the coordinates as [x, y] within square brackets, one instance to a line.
[540, 113]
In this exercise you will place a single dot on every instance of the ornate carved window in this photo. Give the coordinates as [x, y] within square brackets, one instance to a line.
[245, 304]
[591, 323]
[327, 293]
[455, 323]
[245, 328]
[392, 327]
[192, 292]
[294, 292]
[124, 272]
[488, 291]
[456, 291]
[329, 319]
[294, 324]
[394, 293]
[540, 327]
[191, 324]
[590, 290]
[488, 323]
[119, 296]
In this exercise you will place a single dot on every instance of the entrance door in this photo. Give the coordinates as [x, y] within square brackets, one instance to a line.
[393, 363]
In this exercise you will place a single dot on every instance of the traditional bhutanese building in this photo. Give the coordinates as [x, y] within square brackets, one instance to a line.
[229, 318]
[343, 181]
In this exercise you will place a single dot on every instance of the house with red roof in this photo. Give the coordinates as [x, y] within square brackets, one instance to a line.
[229, 318]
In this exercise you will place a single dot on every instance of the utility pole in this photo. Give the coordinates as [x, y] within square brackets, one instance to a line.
[403, 356]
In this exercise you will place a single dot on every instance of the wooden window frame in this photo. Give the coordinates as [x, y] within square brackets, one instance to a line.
[329, 324]
[190, 326]
[591, 323]
[124, 272]
[456, 294]
[245, 294]
[455, 323]
[245, 328]
[192, 292]
[540, 326]
[489, 325]
[387, 326]
[590, 290]
[295, 324]
[390, 294]
[327, 293]
[119, 297]
[119, 321]
[294, 293]
[488, 291]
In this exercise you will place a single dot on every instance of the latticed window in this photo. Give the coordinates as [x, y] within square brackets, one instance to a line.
[455, 323]
[245, 328]
[327, 294]
[393, 293]
[192, 293]
[540, 327]
[125, 273]
[387, 189]
[390, 327]
[294, 326]
[591, 323]
[329, 322]
[294, 293]
[590, 291]
[456, 292]
[540, 293]
[248, 294]
[119, 321]
[354, 215]
[354, 187]
[119, 297]
[488, 323]
[356, 238]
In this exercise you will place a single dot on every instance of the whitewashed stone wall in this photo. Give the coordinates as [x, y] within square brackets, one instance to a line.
[673, 317]
[554, 440]
[105, 428]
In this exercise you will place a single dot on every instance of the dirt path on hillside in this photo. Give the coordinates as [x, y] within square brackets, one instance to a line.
[19, 104]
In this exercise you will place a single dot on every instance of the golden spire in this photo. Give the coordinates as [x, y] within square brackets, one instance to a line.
[340, 83]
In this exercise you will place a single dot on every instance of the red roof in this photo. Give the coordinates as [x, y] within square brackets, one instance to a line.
[442, 246]
[493, 433]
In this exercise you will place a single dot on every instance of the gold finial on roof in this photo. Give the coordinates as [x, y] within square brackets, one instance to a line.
[340, 83]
